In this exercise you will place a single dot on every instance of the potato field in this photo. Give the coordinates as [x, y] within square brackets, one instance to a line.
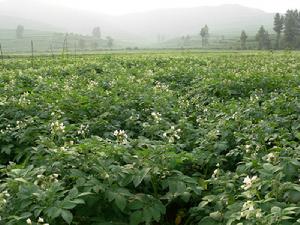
[150, 139]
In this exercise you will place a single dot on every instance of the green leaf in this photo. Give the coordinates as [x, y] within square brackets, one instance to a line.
[21, 180]
[181, 187]
[68, 204]
[270, 168]
[67, 216]
[160, 207]
[26, 215]
[120, 202]
[296, 187]
[73, 193]
[7, 149]
[286, 218]
[293, 196]
[275, 210]
[186, 196]
[155, 213]
[177, 187]
[289, 210]
[84, 194]
[37, 212]
[53, 212]
[135, 205]
[136, 218]
[147, 216]
[139, 178]
[78, 201]
[297, 135]
[216, 215]
[295, 162]
[110, 195]
[221, 146]
[208, 221]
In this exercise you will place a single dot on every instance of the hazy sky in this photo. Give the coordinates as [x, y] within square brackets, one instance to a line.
[117, 7]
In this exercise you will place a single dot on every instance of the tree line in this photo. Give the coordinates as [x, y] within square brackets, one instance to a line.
[286, 28]
[82, 42]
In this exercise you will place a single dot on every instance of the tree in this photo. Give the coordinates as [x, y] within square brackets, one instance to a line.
[278, 28]
[110, 42]
[96, 32]
[243, 39]
[81, 43]
[267, 41]
[263, 39]
[291, 28]
[94, 45]
[185, 40]
[204, 33]
[260, 37]
[19, 31]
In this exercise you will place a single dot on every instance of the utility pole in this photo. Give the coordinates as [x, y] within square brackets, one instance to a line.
[2, 57]
[32, 53]
[51, 49]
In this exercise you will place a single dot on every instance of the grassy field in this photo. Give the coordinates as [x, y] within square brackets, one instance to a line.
[184, 138]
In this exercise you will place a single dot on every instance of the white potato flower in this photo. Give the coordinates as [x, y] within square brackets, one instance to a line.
[28, 221]
[248, 182]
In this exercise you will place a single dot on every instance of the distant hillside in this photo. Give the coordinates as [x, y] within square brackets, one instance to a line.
[222, 20]
[11, 22]
[70, 20]
[226, 20]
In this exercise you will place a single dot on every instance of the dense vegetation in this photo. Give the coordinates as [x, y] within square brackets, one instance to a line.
[150, 139]
[288, 25]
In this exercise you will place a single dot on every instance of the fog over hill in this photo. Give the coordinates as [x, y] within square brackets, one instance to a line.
[222, 20]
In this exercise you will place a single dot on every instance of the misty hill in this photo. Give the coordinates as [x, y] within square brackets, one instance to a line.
[222, 20]
[64, 18]
[11, 22]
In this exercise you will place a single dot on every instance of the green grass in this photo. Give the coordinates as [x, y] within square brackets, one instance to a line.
[151, 138]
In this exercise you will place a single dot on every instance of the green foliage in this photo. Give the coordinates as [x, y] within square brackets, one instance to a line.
[243, 39]
[278, 28]
[19, 32]
[151, 139]
[292, 29]
[204, 33]
[263, 39]
[96, 32]
[289, 24]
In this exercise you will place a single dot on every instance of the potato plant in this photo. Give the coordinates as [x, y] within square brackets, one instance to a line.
[142, 139]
